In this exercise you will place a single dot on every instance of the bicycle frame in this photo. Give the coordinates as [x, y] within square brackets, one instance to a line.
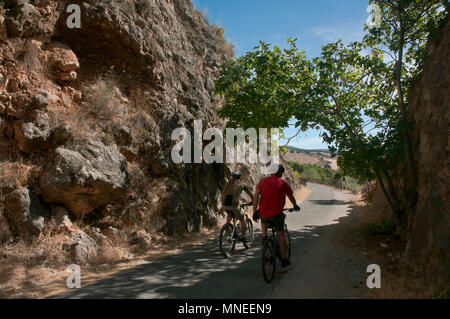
[235, 231]
[274, 238]
[241, 208]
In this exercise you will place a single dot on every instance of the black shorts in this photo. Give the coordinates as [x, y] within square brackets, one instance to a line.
[278, 221]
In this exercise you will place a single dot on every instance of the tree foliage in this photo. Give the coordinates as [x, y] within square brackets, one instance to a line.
[338, 91]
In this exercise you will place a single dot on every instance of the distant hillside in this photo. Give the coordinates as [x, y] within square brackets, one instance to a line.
[318, 157]
[303, 150]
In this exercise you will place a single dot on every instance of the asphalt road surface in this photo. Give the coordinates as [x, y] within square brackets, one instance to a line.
[319, 269]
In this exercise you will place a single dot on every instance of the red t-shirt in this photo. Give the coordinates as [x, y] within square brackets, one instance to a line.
[273, 196]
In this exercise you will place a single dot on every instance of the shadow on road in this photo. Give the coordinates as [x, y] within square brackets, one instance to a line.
[198, 273]
[332, 202]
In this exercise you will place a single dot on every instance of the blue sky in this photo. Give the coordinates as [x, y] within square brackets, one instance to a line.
[313, 22]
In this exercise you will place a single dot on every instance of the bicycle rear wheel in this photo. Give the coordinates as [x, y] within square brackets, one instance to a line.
[249, 234]
[227, 240]
[268, 260]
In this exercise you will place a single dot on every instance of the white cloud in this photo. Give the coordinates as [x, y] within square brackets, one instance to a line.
[347, 33]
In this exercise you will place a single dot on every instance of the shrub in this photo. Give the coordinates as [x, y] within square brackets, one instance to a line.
[369, 191]
[101, 98]
[15, 173]
[225, 46]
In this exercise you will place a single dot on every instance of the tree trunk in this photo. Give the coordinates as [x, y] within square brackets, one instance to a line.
[391, 190]
[411, 173]
[392, 206]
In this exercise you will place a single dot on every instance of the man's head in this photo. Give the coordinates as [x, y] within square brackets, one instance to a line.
[280, 171]
[237, 174]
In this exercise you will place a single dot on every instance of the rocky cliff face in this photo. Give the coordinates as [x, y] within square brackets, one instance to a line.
[429, 224]
[87, 113]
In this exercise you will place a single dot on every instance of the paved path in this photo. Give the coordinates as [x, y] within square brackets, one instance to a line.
[318, 269]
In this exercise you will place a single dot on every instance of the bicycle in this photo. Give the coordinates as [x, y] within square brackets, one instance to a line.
[271, 250]
[230, 234]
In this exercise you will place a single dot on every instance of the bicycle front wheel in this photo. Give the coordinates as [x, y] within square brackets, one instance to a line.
[268, 261]
[226, 240]
[288, 243]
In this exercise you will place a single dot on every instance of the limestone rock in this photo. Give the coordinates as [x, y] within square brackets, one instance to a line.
[82, 248]
[63, 58]
[61, 135]
[32, 136]
[66, 76]
[86, 178]
[23, 19]
[64, 62]
[123, 135]
[100, 238]
[25, 213]
[39, 101]
[141, 239]
[62, 219]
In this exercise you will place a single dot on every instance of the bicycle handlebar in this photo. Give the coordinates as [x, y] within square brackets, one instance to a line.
[290, 210]
[257, 216]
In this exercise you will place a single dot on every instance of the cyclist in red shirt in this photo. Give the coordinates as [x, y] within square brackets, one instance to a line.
[271, 195]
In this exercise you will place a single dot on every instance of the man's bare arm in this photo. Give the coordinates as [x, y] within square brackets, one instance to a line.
[293, 201]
